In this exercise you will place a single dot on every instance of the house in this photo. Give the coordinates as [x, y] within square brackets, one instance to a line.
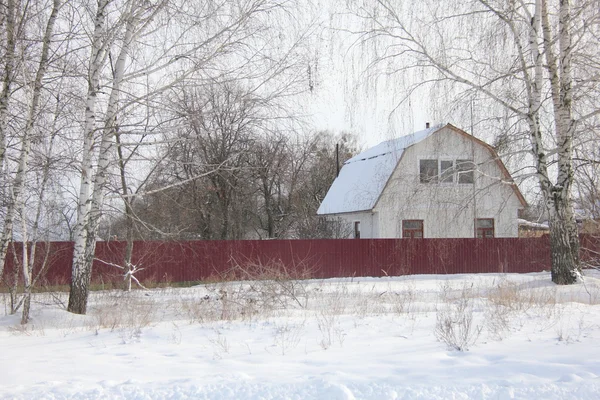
[439, 182]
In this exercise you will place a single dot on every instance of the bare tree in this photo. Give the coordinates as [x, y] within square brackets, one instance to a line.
[325, 154]
[268, 165]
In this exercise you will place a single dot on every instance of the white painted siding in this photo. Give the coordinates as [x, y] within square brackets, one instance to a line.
[369, 223]
[447, 209]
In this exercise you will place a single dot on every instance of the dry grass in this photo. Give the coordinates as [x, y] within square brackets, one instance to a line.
[128, 313]
[505, 306]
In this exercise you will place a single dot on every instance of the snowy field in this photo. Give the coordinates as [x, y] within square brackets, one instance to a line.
[487, 336]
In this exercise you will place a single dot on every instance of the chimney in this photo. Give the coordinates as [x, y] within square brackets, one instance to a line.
[426, 125]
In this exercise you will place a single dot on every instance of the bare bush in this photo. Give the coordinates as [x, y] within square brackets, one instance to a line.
[274, 283]
[287, 336]
[128, 313]
[248, 290]
[402, 301]
[220, 345]
[454, 323]
[198, 310]
[253, 287]
[331, 306]
[329, 326]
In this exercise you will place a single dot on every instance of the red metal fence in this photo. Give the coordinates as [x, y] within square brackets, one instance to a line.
[212, 260]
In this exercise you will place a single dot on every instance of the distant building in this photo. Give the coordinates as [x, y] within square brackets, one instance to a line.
[532, 229]
[436, 183]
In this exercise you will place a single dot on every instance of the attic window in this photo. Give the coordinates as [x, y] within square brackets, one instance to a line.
[446, 171]
[356, 229]
[465, 170]
[428, 171]
[447, 168]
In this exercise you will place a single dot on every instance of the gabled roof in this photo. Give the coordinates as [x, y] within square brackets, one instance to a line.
[363, 177]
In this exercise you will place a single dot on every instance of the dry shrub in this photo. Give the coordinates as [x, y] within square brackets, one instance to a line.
[329, 326]
[513, 297]
[508, 299]
[125, 311]
[261, 288]
[402, 301]
[454, 321]
[220, 344]
[258, 289]
[287, 335]
[199, 310]
[332, 304]
[366, 304]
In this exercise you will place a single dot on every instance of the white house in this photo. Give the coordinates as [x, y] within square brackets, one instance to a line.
[436, 183]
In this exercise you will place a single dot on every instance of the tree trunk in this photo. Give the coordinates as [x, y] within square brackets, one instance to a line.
[564, 243]
[563, 230]
[80, 281]
[26, 308]
[83, 255]
[9, 66]
[14, 198]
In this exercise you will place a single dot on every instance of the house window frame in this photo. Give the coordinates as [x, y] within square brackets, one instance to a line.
[356, 225]
[406, 230]
[436, 178]
[452, 175]
[483, 232]
[455, 175]
[462, 173]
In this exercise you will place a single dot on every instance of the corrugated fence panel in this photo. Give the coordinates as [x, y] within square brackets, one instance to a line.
[165, 262]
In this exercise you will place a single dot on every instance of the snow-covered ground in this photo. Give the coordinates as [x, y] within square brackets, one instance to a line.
[369, 338]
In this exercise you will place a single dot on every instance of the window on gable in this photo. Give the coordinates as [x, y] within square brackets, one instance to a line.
[447, 171]
[465, 170]
[412, 228]
[484, 227]
[356, 229]
[428, 171]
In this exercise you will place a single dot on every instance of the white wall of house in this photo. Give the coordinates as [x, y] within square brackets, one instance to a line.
[447, 209]
[369, 223]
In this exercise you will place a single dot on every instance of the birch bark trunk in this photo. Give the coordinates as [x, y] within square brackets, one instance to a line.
[92, 198]
[14, 200]
[9, 66]
[563, 228]
[82, 257]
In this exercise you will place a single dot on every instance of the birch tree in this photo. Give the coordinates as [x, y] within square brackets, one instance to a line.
[536, 64]
[33, 93]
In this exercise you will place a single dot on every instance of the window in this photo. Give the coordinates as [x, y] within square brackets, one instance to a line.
[428, 170]
[484, 227]
[412, 228]
[446, 171]
[447, 168]
[465, 170]
[356, 229]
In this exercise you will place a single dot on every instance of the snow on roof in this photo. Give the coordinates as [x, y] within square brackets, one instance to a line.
[363, 177]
